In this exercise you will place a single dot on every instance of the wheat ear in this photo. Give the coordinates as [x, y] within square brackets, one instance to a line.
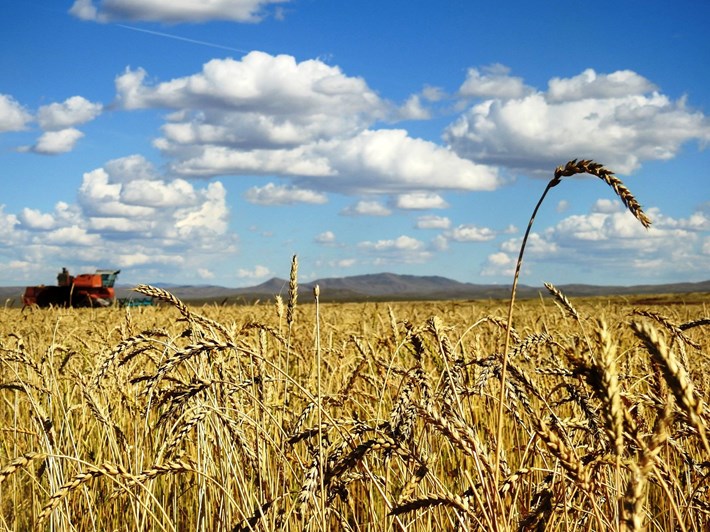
[676, 377]
[19, 463]
[586, 166]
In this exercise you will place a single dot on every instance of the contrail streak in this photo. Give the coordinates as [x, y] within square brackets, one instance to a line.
[185, 39]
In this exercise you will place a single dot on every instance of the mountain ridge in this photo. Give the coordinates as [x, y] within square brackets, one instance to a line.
[388, 286]
[391, 286]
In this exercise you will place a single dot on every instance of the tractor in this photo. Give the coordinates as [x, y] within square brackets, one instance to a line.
[84, 290]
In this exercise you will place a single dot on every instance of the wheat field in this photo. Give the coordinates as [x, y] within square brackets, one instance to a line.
[362, 416]
[545, 414]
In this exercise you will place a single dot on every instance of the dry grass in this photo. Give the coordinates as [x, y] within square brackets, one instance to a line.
[293, 416]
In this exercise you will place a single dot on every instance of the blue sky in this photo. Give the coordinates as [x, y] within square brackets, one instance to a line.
[206, 143]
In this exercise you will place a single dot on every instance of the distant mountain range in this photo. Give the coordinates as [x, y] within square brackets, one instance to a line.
[394, 287]
[385, 287]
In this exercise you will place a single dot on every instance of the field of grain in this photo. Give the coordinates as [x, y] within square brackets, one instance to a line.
[295, 415]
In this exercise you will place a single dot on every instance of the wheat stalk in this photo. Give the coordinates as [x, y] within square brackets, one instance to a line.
[571, 168]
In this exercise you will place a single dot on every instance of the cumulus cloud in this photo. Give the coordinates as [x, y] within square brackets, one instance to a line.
[13, 117]
[498, 264]
[343, 263]
[403, 249]
[589, 84]
[151, 222]
[609, 237]
[56, 142]
[307, 121]
[272, 194]
[205, 273]
[619, 118]
[130, 168]
[420, 201]
[366, 208]
[433, 94]
[325, 238]
[72, 112]
[413, 109]
[257, 272]
[493, 82]
[310, 97]
[74, 235]
[433, 222]
[171, 12]
[35, 219]
[389, 160]
[471, 233]
[7, 226]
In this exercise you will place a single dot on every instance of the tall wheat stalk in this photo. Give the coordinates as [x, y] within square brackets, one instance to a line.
[573, 167]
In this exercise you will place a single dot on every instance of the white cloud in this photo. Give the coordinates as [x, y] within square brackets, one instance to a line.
[537, 246]
[326, 238]
[130, 168]
[609, 238]
[607, 206]
[206, 219]
[618, 119]
[73, 235]
[471, 233]
[403, 249]
[173, 11]
[271, 194]
[34, 219]
[220, 160]
[562, 206]
[440, 243]
[8, 222]
[307, 121]
[433, 94]
[99, 196]
[366, 208]
[403, 243]
[498, 264]
[493, 82]
[204, 273]
[344, 263]
[262, 93]
[55, 142]
[433, 222]
[589, 84]
[135, 260]
[258, 272]
[420, 201]
[72, 112]
[115, 224]
[388, 160]
[154, 193]
[414, 110]
[114, 202]
[155, 229]
[13, 117]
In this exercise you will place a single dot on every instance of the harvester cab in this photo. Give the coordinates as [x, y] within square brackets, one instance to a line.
[108, 277]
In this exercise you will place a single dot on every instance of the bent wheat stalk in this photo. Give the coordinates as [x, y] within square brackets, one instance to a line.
[573, 167]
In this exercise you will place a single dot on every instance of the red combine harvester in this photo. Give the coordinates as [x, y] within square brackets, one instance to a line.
[84, 290]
